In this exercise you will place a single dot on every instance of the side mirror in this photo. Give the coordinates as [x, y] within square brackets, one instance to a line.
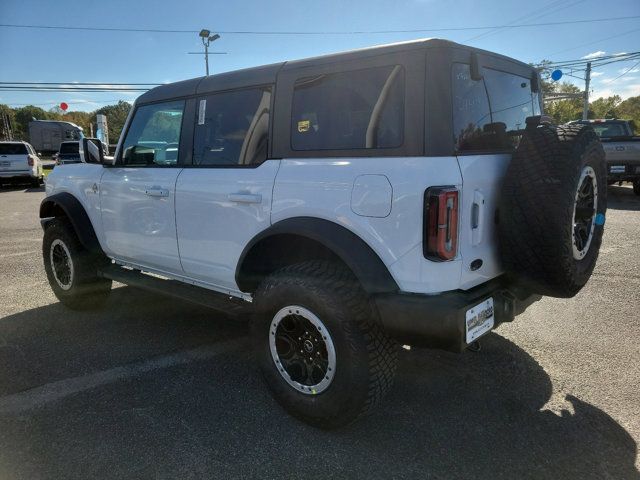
[91, 151]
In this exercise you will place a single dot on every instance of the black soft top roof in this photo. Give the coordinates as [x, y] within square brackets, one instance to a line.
[267, 74]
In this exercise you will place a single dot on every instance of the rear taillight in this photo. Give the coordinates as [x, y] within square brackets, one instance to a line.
[31, 159]
[440, 223]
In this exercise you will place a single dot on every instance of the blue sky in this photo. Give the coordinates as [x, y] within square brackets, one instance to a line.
[81, 56]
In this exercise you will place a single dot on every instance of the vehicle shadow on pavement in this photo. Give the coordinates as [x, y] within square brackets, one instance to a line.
[25, 188]
[492, 414]
[622, 198]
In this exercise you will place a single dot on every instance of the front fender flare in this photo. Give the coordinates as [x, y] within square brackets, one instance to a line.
[75, 212]
[366, 265]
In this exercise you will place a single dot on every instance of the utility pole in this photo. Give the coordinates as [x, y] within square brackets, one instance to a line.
[207, 38]
[587, 81]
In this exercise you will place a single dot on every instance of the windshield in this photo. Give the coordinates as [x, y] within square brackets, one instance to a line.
[71, 147]
[13, 149]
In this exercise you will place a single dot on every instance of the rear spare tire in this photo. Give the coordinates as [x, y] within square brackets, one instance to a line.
[552, 209]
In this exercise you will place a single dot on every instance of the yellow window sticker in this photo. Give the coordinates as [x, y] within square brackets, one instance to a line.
[304, 125]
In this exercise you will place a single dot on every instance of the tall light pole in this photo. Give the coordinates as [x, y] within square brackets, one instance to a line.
[207, 38]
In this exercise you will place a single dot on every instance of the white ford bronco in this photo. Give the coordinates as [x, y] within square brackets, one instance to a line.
[346, 204]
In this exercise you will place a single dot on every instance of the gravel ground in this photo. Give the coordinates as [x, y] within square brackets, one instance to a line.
[156, 388]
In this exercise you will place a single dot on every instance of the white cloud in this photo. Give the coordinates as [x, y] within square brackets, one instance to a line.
[591, 55]
[618, 54]
[596, 74]
[633, 70]
[625, 91]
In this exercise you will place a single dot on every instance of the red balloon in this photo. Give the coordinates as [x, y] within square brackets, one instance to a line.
[64, 106]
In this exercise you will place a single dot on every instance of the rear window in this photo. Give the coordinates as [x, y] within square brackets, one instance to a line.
[13, 149]
[349, 110]
[611, 129]
[69, 148]
[490, 114]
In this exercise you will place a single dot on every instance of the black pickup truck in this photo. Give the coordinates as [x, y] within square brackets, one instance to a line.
[621, 148]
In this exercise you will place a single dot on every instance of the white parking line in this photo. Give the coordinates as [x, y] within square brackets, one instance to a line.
[51, 392]
[18, 254]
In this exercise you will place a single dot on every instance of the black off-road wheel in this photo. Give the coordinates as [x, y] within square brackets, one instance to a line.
[552, 209]
[636, 187]
[72, 270]
[324, 355]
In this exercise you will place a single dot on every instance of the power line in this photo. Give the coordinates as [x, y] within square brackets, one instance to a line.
[582, 60]
[594, 42]
[528, 17]
[352, 32]
[596, 62]
[622, 74]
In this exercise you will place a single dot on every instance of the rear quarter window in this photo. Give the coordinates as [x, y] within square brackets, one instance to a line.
[349, 110]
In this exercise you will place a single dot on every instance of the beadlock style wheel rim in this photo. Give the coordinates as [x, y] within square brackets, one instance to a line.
[61, 264]
[302, 350]
[584, 213]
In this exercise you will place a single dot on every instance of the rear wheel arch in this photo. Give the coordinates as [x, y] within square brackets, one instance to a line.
[65, 205]
[300, 239]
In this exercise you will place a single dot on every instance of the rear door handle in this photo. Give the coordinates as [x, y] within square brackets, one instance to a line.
[245, 198]
[157, 192]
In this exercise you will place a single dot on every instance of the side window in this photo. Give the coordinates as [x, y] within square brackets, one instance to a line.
[153, 138]
[349, 110]
[511, 103]
[471, 114]
[232, 128]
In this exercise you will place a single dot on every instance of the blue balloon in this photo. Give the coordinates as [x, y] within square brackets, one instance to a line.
[556, 75]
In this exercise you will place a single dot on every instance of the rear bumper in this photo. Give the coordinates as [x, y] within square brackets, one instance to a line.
[626, 170]
[438, 321]
[24, 174]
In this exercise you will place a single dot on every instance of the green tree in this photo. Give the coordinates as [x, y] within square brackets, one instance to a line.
[630, 110]
[10, 114]
[605, 107]
[23, 116]
[564, 111]
[82, 119]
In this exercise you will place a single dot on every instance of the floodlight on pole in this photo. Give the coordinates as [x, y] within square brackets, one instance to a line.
[207, 38]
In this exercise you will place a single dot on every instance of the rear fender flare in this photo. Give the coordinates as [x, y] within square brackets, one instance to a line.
[356, 254]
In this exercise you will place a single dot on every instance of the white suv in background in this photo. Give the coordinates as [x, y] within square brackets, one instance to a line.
[409, 193]
[19, 162]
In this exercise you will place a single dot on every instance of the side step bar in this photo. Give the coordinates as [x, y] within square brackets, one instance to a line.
[202, 296]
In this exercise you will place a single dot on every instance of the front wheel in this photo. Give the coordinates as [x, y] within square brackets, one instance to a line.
[323, 353]
[72, 271]
[636, 187]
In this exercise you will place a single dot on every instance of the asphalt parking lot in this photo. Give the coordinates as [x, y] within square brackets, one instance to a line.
[156, 388]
